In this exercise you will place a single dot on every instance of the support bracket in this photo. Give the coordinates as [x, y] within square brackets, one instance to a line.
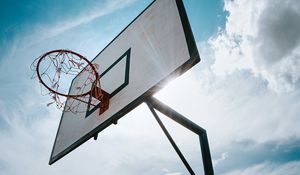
[153, 104]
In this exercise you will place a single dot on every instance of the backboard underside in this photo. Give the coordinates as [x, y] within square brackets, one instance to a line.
[155, 47]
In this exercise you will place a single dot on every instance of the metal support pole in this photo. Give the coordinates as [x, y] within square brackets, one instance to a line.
[153, 103]
[206, 158]
[188, 167]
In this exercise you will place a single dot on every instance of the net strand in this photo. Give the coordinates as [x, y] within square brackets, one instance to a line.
[65, 63]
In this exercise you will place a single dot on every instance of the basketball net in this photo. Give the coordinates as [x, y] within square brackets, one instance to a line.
[54, 68]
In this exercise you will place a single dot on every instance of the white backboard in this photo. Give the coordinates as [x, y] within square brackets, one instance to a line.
[157, 46]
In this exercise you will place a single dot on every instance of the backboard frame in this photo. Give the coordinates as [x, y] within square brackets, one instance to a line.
[194, 59]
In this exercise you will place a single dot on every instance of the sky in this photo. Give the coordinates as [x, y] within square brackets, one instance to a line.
[244, 92]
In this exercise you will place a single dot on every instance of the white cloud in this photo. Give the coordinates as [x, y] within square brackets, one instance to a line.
[235, 107]
[256, 54]
[108, 7]
[261, 36]
[62, 34]
[289, 168]
[222, 158]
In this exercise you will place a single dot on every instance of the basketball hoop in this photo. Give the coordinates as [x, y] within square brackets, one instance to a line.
[55, 67]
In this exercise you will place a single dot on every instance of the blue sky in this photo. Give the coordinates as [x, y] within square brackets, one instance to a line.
[244, 92]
